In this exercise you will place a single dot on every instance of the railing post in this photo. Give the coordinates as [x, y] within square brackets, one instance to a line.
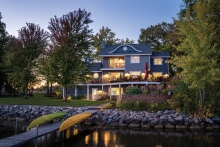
[36, 137]
[16, 126]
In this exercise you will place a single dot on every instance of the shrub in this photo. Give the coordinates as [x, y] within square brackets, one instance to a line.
[145, 92]
[156, 92]
[164, 91]
[133, 90]
[57, 93]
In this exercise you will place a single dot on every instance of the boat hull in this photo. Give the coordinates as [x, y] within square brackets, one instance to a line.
[46, 118]
[74, 120]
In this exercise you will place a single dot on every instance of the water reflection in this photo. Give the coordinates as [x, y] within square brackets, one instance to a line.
[125, 137]
[116, 137]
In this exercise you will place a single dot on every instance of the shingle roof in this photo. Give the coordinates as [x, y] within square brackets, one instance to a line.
[160, 54]
[96, 66]
[131, 49]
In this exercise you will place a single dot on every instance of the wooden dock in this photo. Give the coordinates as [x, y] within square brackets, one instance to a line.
[19, 139]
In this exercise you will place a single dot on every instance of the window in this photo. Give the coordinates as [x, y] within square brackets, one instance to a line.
[135, 59]
[115, 91]
[157, 74]
[135, 74]
[158, 61]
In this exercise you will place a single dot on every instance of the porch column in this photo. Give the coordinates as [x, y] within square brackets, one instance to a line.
[75, 91]
[132, 85]
[87, 92]
[110, 92]
[119, 91]
[102, 90]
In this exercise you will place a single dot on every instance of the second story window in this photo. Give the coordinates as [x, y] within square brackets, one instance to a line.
[158, 61]
[135, 59]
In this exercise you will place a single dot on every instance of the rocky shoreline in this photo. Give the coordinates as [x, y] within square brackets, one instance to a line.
[168, 119]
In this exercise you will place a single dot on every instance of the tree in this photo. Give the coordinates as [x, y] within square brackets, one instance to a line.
[126, 41]
[159, 36]
[22, 54]
[71, 41]
[3, 41]
[44, 69]
[104, 34]
[200, 45]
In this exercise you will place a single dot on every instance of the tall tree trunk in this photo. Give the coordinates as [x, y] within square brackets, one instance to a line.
[202, 96]
[65, 93]
[51, 88]
[26, 92]
[48, 92]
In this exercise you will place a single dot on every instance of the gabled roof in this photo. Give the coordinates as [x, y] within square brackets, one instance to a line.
[160, 54]
[126, 49]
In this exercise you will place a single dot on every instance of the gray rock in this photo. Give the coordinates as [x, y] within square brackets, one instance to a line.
[195, 127]
[216, 120]
[134, 125]
[180, 127]
[169, 126]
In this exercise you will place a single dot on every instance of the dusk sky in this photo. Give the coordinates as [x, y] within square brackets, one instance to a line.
[124, 17]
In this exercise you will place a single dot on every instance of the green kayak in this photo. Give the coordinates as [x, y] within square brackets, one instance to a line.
[46, 118]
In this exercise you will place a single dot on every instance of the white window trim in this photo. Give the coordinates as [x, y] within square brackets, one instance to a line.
[161, 61]
[135, 62]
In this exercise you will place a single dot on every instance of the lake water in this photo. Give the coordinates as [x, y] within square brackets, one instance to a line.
[125, 137]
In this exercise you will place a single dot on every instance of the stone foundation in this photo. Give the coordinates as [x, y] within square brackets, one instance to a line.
[145, 98]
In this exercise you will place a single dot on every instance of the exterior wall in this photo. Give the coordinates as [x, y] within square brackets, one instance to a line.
[136, 66]
[164, 68]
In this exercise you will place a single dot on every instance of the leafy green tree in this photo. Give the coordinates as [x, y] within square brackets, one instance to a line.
[104, 34]
[22, 54]
[200, 45]
[126, 41]
[71, 41]
[45, 70]
[3, 41]
[159, 36]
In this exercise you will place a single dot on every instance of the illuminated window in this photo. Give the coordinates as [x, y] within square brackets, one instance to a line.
[158, 61]
[157, 74]
[95, 75]
[135, 59]
[115, 91]
[135, 73]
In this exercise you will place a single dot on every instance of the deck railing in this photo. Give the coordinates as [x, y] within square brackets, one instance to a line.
[113, 65]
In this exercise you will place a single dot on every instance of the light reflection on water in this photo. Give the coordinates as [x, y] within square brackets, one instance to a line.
[125, 137]
[117, 137]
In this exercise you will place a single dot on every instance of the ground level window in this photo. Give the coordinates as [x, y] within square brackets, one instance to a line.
[157, 74]
[115, 91]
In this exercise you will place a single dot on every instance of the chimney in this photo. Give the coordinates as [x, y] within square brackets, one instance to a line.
[103, 44]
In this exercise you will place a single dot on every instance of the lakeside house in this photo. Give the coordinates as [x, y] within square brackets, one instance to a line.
[122, 66]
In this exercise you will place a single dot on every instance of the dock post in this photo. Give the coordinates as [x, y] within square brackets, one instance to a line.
[36, 137]
[16, 125]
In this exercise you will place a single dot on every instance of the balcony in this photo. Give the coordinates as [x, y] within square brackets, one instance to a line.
[113, 65]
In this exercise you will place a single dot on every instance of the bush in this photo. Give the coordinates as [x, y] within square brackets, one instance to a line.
[133, 90]
[145, 92]
[164, 91]
[79, 97]
[156, 92]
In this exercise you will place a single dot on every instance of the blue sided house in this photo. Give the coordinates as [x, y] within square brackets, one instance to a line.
[122, 66]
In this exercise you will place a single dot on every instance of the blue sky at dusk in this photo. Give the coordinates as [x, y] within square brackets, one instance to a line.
[124, 17]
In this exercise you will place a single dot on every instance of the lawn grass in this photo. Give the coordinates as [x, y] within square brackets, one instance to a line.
[39, 99]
